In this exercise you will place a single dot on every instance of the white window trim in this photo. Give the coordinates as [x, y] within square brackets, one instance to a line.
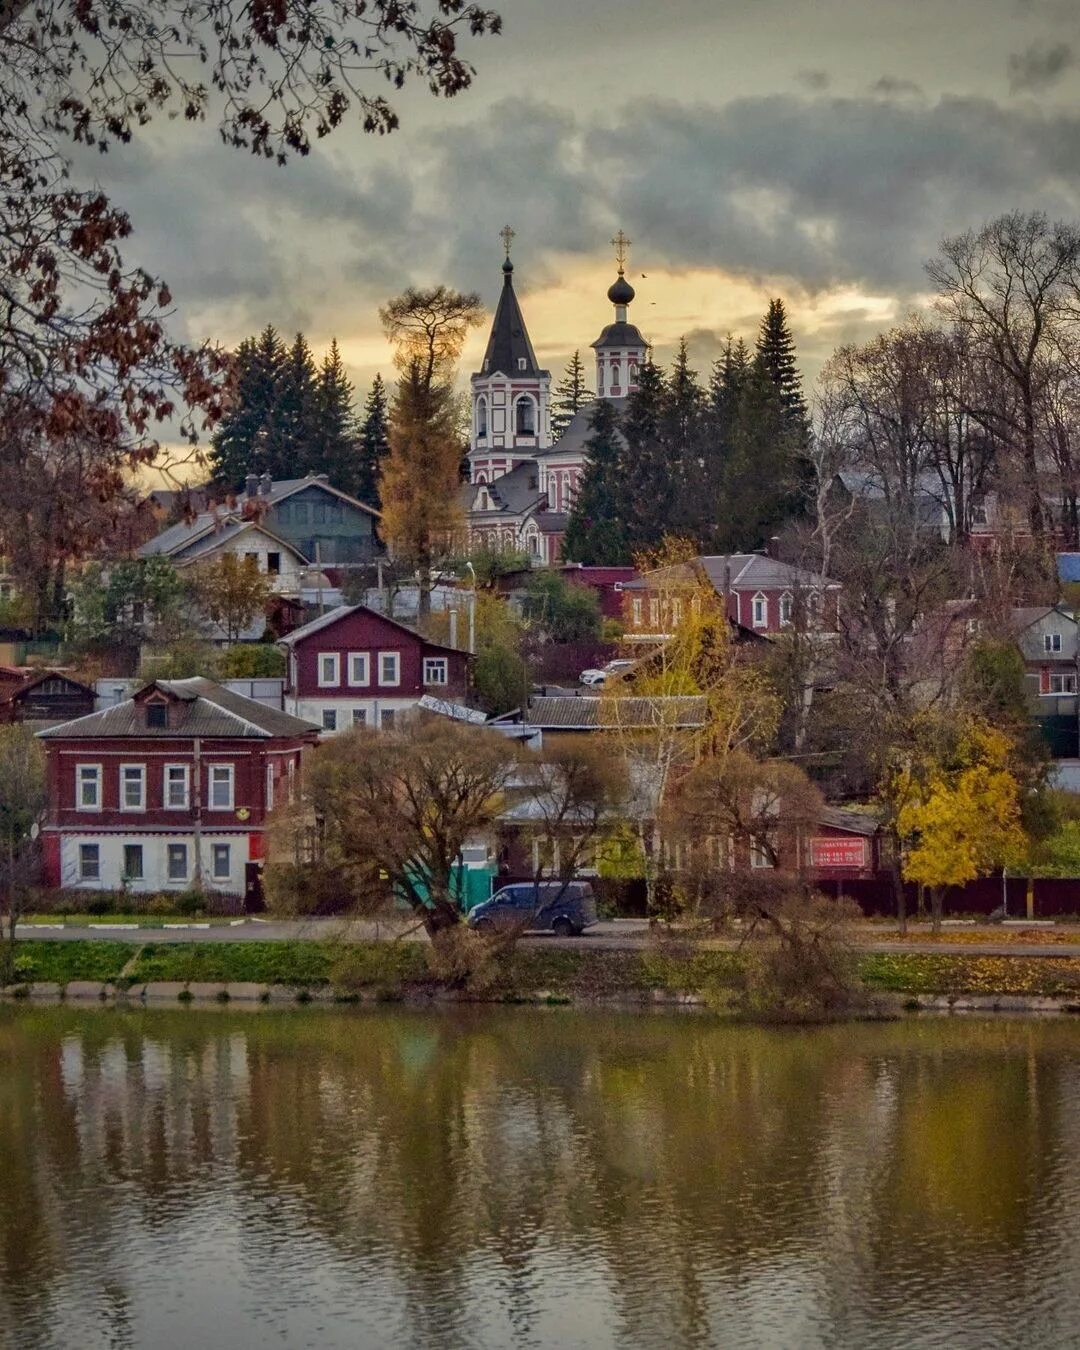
[124, 873]
[269, 806]
[384, 681]
[330, 713]
[444, 666]
[83, 875]
[170, 880]
[788, 600]
[763, 600]
[1052, 642]
[124, 806]
[335, 657]
[166, 804]
[363, 659]
[210, 804]
[78, 787]
[215, 875]
[637, 606]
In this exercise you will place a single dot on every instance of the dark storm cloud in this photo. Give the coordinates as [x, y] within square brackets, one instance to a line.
[828, 191]
[816, 80]
[892, 86]
[1039, 66]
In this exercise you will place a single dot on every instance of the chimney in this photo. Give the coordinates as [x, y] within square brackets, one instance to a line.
[774, 546]
[251, 485]
[266, 484]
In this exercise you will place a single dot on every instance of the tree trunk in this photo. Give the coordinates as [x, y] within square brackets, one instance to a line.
[937, 904]
[1031, 471]
[899, 893]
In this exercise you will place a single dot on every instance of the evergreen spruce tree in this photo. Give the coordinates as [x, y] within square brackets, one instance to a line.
[293, 432]
[647, 480]
[333, 447]
[570, 393]
[373, 444]
[776, 352]
[594, 533]
[243, 439]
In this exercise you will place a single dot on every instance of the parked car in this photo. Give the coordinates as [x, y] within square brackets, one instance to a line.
[597, 676]
[565, 908]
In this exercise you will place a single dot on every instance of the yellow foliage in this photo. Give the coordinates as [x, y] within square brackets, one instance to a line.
[960, 819]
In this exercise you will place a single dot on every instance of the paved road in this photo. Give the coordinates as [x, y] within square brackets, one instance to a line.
[615, 935]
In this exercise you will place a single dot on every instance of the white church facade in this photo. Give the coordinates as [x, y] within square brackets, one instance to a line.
[522, 484]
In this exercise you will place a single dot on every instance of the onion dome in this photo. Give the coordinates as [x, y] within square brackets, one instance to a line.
[620, 292]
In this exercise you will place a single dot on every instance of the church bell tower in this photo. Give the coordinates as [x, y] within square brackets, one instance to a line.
[620, 348]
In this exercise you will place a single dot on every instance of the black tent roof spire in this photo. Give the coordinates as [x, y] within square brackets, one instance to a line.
[509, 345]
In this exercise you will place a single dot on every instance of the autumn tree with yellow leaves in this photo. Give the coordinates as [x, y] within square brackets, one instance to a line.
[960, 816]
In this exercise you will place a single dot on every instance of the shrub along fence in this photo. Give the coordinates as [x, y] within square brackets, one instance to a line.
[1053, 897]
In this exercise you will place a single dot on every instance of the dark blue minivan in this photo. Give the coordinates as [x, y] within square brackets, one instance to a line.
[565, 908]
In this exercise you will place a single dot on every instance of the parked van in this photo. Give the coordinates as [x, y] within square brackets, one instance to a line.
[565, 908]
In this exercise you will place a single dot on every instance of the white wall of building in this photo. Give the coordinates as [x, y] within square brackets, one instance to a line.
[312, 709]
[155, 861]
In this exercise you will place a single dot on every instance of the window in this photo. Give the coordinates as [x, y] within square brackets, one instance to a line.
[176, 866]
[787, 603]
[221, 787]
[521, 363]
[269, 787]
[760, 611]
[329, 669]
[138, 613]
[329, 719]
[89, 787]
[132, 787]
[133, 862]
[481, 416]
[389, 667]
[676, 612]
[654, 614]
[759, 854]
[978, 514]
[89, 862]
[221, 861]
[636, 606]
[290, 778]
[387, 722]
[359, 668]
[359, 717]
[1052, 642]
[525, 416]
[273, 564]
[1062, 684]
[177, 782]
[253, 559]
[435, 670]
[534, 545]
[157, 715]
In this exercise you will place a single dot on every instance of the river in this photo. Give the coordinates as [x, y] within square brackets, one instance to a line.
[534, 1178]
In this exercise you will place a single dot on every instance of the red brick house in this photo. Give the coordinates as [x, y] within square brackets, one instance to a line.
[355, 667]
[763, 594]
[168, 788]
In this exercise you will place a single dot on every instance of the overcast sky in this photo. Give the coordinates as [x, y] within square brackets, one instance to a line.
[750, 148]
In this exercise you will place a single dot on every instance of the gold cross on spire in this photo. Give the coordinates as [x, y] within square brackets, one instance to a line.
[622, 248]
[507, 236]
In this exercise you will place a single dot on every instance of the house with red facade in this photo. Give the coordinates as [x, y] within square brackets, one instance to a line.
[168, 789]
[763, 595]
[356, 667]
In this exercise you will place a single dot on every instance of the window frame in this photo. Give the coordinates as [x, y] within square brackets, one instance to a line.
[186, 873]
[98, 805]
[84, 875]
[352, 660]
[763, 600]
[335, 659]
[1064, 678]
[359, 717]
[211, 769]
[637, 611]
[127, 875]
[268, 790]
[166, 801]
[215, 873]
[444, 665]
[384, 680]
[787, 609]
[1052, 643]
[125, 805]
[329, 719]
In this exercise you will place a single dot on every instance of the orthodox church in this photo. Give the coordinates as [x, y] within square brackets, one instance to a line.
[521, 485]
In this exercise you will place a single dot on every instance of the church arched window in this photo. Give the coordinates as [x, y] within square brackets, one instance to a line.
[481, 416]
[525, 416]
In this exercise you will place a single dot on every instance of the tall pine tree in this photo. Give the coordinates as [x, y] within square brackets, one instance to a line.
[776, 353]
[570, 393]
[332, 449]
[373, 444]
[644, 506]
[294, 412]
[244, 440]
[594, 532]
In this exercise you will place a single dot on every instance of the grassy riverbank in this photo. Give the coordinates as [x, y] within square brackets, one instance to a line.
[399, 969]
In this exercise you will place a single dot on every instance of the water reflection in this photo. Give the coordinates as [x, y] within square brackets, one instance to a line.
[480, 1178]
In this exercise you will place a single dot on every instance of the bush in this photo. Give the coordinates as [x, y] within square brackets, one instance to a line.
[461, 958]
[251, 661]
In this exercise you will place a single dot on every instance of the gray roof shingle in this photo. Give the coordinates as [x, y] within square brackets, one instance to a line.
[212, 711]
[571, 712]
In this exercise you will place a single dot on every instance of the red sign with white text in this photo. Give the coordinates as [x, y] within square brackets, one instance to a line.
[838, 852]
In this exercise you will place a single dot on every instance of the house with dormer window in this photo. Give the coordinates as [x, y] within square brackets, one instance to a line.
[168, 789]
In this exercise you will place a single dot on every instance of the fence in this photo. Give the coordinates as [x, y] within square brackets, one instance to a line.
[1053, 896]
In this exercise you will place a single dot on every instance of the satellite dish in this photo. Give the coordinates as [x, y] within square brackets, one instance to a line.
[35, 830]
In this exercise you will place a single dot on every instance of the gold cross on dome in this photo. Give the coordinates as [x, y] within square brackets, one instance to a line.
[507, 236]
[622, 248]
